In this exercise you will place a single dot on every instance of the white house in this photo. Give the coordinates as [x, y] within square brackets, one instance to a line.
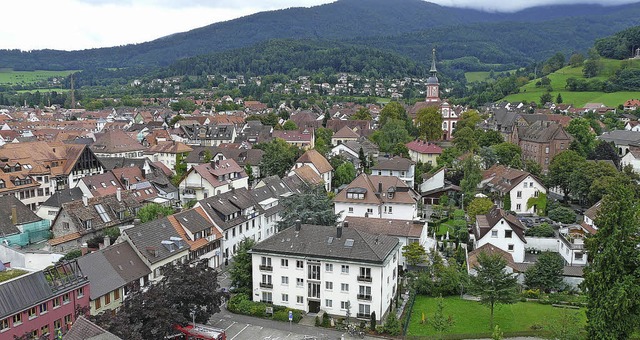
[318, 163]
[205, 180]
[378, 197]
[632, 158]
[168, 153]
[519, 185]
[336, 270]
[396, 166]
[501, 230]
[423, 152]
[571, 245]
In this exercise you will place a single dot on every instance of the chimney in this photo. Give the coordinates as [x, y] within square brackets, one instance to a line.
[14, 215]
[298, 225]
[85, 200]
[380, 187]
[339, 232]
[84, 249]
[119, 194]
[107, 241]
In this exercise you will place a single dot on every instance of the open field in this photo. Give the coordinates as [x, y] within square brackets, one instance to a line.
[530, 92]
[480, 75]
[472, 318]
[11, 77]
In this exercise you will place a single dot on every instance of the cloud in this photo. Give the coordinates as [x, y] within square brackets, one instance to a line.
[516, 5]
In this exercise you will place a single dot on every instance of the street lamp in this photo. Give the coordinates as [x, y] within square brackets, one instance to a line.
[193, 317]
[462, 202]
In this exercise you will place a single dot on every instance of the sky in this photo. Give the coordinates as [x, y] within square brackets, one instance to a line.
[83, 24]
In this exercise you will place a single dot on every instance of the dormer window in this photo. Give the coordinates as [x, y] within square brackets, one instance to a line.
[2, 184]
[86, 224]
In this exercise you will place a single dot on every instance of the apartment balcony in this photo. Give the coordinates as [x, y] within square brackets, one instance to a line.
[365, 297]
[266, 285]
[366, 279]
[266, 268]
[572, 243]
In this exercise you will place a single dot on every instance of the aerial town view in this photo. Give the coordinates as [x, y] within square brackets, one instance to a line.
[318, 169]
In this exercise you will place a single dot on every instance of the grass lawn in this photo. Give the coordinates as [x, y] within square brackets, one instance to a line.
[10, 274]
[530, 92]
[472, 318]
[481, 75]
[11, 77]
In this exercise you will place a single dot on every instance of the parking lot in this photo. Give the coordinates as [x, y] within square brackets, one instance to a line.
[246, 331]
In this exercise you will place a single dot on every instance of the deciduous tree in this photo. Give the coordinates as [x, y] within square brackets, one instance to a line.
[546, 273]
[241, 270]
[345, 173]
[429, 123]
[153, 211]
[414, 253]
[279, 157]
[478, 206]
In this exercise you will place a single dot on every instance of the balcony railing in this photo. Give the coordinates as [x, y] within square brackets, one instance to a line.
[366, 297]
[573, 246]
[266, 268]
[363, 315]
[362, 278]
[266, 285]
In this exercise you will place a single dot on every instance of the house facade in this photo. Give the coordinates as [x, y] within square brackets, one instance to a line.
[396, 166]
[19, 225]
[501, 230]
[541, 141]
[424, 152]
[318, 164]
[519, 185]
[214, 178]
[336, 270]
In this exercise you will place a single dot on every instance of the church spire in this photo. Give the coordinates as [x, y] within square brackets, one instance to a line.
[433, 64]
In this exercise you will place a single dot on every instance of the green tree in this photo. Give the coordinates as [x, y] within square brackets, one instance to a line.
[362, 114]
[469, 118]
[584, 141]
[279, 157]
[508, 154]
[312, 206]
[429, 123]
[289, 125]
[440, 322]
[414, 253]
[345, 173]
[472, 176]
[545, 98]
[559, 98]
[488, 138]
[546, 273]
[392, 325]
[561, 169]
[562, 215]
[153, 211]
[392, 111]
[533, 167]
[492, 283]
[576, 59]
[466, 140]
[392, 133]
[478, 206]
[592, 68]
[506, 202]
[241, 271]
[612, 280]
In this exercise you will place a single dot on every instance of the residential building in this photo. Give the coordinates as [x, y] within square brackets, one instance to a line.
[315, 268]
[210, 179]
[44, 302]
[378, 197]
[541, 141]
[50, 208]
[351, 151]
[168, 153]
[519, 185]
[19, 225]
[589, 218]
[346, 134]
[304, 138]
[400, 167]
[117, 143]
[624, 140]
[501, 230]
[114, 272]
[99, 185]
[201, 235]
[424, 152]
[572, 246]
[84, 329]
[208, 135]
[318, 164]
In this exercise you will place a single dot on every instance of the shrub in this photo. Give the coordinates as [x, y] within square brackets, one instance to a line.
[531, 293]
[542, 230]
[563, 215]
[392, 325]
[326, 320]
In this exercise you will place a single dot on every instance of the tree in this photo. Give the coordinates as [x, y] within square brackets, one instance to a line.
[439, 321]
[488, 138]
[576, 59]
[392, 325]
[392, 133]
[153, 211]
[372, 322]
[508, 154]
[562, 215]
[612, 280]
[392, 111]
[492, 283]
[546, 273]
[472, 176]
[465, 140]
[478, 206]
[580, 129]
[545, 98]
[429, 123]
[151, 313]
[414, 253]
[312, 206]
[345, 173]
[559, 98]
[592, 68]
[469, 118]
[279, 157]
[241, 271]
[289, 125]
[604, 150]
[561, 168]
[533, 167]
[400, 149]
[362, 114]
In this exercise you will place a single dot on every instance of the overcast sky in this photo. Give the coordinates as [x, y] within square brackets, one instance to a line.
[81, 24]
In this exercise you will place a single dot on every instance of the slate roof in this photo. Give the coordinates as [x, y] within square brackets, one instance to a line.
[116, 141]
[102, 184]
[367, 146]
[125, 261]
[83, 329]
[372, 184]
[24, 215]
[346, 132]
[63, 196]
[147, 239]
[394, 164]
[593, 210]
[111, 163]
[621, 137]
[103, 277]
[315, 158]
[78, 212]
[322, 242]
[384, 226]
[293, 135]
[490, 249]
[192, 221]
[484, 223]
[336, 125]
[542, 132]
[169, 147]
[308, 175]
[220, 207]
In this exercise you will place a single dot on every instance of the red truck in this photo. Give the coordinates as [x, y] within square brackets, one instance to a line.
[201, 332]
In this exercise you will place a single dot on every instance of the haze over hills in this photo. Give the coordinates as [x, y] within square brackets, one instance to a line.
[407, 27]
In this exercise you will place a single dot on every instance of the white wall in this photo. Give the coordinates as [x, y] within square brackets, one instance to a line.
[542, 243]
[503, 243]
[532, 186]
[26, 260]
[435, 182]
[397, 212]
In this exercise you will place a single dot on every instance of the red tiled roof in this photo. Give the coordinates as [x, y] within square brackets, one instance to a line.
[424, 147]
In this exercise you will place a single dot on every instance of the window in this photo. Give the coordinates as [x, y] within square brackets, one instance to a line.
[4, 324]
[508, 233]
[328, 267]
[284, 280]
[107, 298]
[65, 298]
[344, 269]
[365, 272]
[578, 256]
[364, 292]
[80, 292]
[344, 287]
[536, 194]
[518, 207]
[299, 264]
[510, 247]
[344, 304]
[299, 282]
[519, 194]
[494, 233]
[390, 210]
[350, 210]
[56, 302]
[285, 297]
[364, 311]
[300, 299]
[87, 224]
[97, 303]
[17, 319]
[33, 312]
[57, 324]
[328, 303]
[525, 185]
[116, 294]
[267, 297]
[546, 149]
[44, 307]
[328, 285]
[266, 261]
[284, 263]
[44, 330]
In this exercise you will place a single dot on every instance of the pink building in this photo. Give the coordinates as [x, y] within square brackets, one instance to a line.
[43, 303]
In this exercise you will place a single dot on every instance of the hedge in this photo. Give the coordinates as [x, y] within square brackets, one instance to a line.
[240, 304]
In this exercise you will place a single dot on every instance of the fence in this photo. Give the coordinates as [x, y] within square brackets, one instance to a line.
[408, 309]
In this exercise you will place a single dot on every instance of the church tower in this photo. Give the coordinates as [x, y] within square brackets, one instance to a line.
[433, 87]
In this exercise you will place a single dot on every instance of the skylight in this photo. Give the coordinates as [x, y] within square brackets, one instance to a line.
[348, 242]
[103, 214]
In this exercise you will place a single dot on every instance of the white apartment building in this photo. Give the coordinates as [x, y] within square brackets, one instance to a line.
[313, 268]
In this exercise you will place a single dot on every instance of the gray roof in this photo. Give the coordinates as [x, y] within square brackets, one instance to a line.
[192, 221]
[111, 163]
[148, 237]
[542, 132]
[126, 262]
[394, 164]
[100, 273]
[322, 242]
[23, 215]
[84, 329]
[23, 292]
[63, 196]
[621, 137]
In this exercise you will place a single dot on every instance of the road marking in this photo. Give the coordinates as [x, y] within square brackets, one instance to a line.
[245, 327]
[230, 325]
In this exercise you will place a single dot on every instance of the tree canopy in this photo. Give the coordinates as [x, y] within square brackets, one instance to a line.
[241, 270]
[153, 211]
[279, 157]
[313, 206]
[546, 273]
[429, 122]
